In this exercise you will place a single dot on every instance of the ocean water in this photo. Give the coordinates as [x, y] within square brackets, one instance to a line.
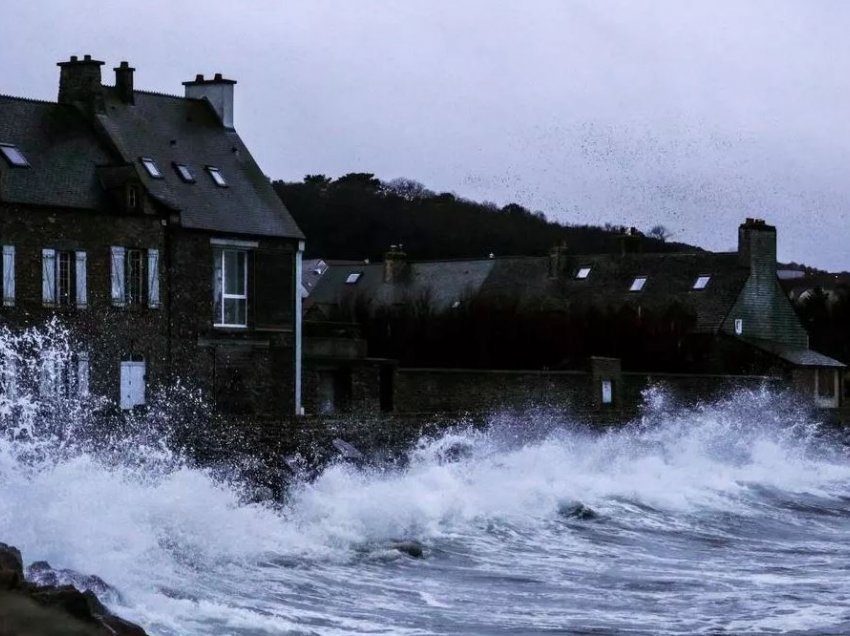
[725, 518]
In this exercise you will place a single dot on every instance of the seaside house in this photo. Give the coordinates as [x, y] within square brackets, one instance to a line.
[143, 222]
[741, 322]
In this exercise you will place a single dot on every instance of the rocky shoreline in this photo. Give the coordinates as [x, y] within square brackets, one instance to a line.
[45, 601]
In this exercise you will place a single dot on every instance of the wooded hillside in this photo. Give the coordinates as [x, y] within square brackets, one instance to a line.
[359, 216]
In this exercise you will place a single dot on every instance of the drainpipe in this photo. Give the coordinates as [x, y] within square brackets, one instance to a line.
[299, 410]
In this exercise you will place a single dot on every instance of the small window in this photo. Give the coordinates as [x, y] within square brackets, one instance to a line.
[217, 177]
[583, 273]
[607, 391]
[701, 282]
[184, 173]
[14, 156]
[231, 288]
[353, 278]
[151, 167]
[638, 283]
[739, 326]
[132, 197]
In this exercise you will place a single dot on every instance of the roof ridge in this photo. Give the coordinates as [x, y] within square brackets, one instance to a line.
[170, 95]
[18, 98]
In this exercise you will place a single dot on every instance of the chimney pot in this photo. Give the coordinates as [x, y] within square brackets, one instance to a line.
[199, 77]
[124, 82]
[218, 77]
[73, 58]
[87, 58]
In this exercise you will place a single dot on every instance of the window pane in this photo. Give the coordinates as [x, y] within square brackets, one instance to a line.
[14, 156]
[583, 272]
[234, 272]
[151, 167]
[235, 310]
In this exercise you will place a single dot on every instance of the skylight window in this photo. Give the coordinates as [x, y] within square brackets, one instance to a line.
[353, 278]
[14, 156]
[583, 273]
[184, 173]
[151, 167]
[638, 283]
[701, 282]
[216, 175]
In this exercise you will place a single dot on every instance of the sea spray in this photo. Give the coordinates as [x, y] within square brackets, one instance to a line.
[731, 515]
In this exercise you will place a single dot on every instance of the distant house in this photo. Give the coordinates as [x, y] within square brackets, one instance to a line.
[143, 221]
[741, 320]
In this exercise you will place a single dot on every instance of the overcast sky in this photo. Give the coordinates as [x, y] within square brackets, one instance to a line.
[689, 114]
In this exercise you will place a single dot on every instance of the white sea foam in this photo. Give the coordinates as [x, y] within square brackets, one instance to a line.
[704, 518]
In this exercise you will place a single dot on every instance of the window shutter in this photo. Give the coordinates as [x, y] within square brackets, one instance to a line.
[118, 298]
[218, 308]
[48, 277]
[153, 278]
[9, 275]
[82, 374]
[82, 281]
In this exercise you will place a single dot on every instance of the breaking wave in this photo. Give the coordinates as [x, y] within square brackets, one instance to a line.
[726, 517]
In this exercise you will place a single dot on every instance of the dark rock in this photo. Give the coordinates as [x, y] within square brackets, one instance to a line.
[410, 548]
[11, 567]
[577, 510]
[42, 573]
[51, 594]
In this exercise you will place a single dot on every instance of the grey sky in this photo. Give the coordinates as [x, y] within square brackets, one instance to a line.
[691, 114]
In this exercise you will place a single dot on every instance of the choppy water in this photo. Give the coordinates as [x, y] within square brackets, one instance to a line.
[729, 518]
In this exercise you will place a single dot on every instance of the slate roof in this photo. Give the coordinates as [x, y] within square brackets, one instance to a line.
[444, 282]
[797, 357]
[62, 149]
[68, 152]
[175, 129]
[670, 278]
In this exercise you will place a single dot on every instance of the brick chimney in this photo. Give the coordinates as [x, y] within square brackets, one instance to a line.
[218, 92]
[395, 264]
[124, 82]
[80, 83]
[757, 247]
[558, 259]
[630, 241]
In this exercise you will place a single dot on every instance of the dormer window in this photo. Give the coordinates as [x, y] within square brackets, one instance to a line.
[14, 156]
[582, 273]
[637, 284]
[353, 278]
[217, 177]
[151, 167]
[132, 197]
[701, 282]
[184, 173]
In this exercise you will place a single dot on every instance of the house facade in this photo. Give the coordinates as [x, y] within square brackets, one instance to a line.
[142, 222]
[736, 320]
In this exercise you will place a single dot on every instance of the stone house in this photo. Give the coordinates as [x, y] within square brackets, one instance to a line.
[142, 221]
[742, 321]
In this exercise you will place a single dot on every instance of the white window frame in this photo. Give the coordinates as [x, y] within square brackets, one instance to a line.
[77, 278]
[225, 296]
[217, 176]
[583, 272]
[353, 277]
